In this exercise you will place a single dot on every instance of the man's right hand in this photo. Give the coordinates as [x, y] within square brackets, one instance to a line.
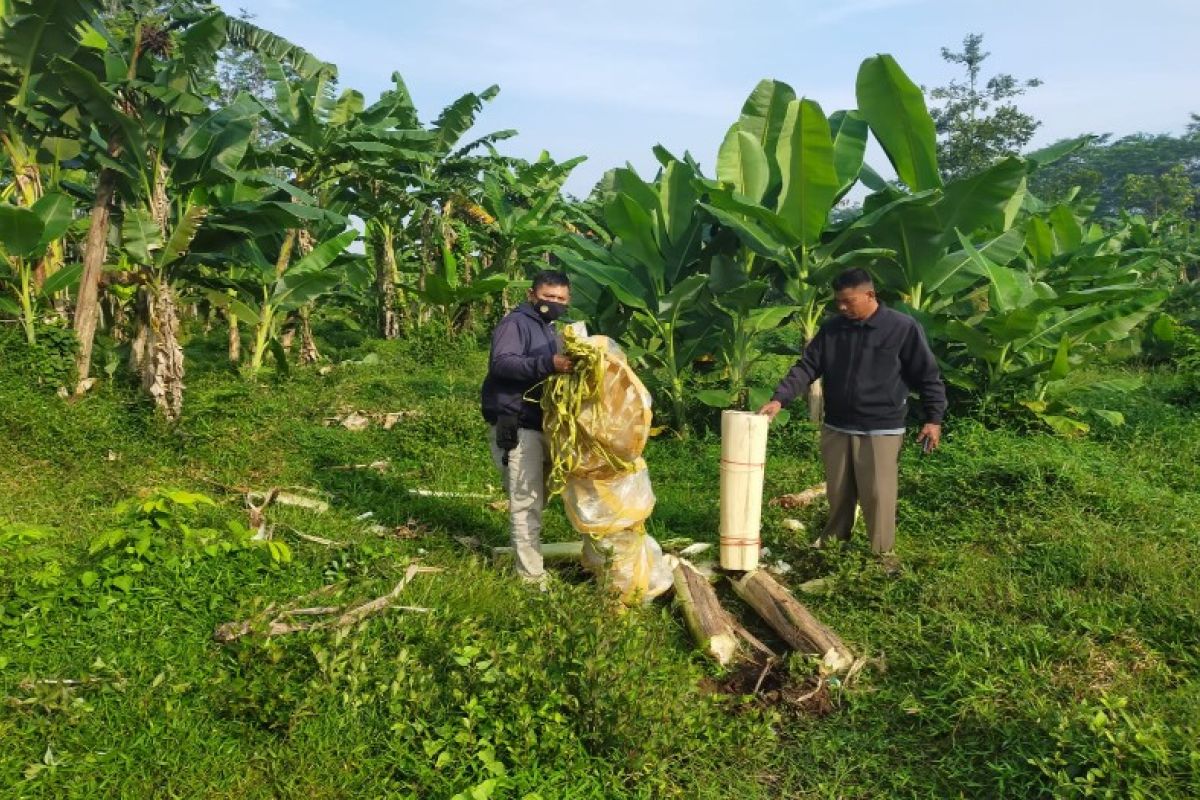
[771, 409]
[562, 363]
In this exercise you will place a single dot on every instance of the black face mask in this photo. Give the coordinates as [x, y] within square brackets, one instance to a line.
[549, 310]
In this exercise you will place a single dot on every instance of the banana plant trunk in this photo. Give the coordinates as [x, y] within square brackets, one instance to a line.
[309, 354]
[424, 310]
[385, 282]
[235, 338]
[87, 306]
[118, 320]
[810, 324]
[161, 357]
[816, 401]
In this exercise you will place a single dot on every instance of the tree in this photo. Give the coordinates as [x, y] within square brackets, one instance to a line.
[1105, 166]
[979, 124]
[1172, 192]
[241, 69]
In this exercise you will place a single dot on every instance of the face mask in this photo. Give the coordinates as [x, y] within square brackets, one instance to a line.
[549, 310]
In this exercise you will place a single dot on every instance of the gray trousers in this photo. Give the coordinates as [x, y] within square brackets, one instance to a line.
[861, 470]
[525, 484]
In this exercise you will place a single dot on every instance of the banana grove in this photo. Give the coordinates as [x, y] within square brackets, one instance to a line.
[1013, 291]
[139, 201]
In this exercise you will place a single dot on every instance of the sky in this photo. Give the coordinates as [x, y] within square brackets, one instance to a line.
[611, 79]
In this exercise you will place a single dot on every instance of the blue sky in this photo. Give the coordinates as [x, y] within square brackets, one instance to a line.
[610, 79]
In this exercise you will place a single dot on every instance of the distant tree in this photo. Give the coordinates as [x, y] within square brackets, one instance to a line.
[1172, 192]
[242, 70]
[1144, 171]
[978, 122]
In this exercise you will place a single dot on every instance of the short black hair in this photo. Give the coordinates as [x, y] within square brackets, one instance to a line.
[550, 277]
[852, 279]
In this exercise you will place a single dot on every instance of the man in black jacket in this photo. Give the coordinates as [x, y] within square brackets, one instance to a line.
[869, 358]
[525, 353]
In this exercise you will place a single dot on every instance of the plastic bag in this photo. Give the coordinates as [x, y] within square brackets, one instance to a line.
[620, 421]
[631, 562]
[606, 505]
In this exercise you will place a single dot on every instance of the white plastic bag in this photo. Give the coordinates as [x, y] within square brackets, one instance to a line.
[606, 505]
[631, 562]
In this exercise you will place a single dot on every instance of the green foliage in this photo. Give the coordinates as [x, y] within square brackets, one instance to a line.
[49, 362]
[1100, 169]
[1041, 574]
[1173, 192]
[157, 531]
[1106, 749]
[33, 570]
[1172, 342]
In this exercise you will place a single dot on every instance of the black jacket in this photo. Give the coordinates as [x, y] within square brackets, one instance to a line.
[523, 348]
[869, 368]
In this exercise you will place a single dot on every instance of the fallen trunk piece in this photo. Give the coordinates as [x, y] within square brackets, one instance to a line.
[791, 620]
[257, 502]
[800, 499]
[382, 465]
[230, 631]
[710, 624]
[551, 551]
[300, 501]
[461, 495]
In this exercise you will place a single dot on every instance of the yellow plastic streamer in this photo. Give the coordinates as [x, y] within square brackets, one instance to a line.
[563, 397]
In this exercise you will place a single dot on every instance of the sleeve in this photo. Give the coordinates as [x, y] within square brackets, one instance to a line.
[509, 359]
[803, 373]
[920, 370]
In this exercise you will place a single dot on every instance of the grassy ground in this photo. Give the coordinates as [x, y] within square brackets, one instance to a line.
[1040, 641]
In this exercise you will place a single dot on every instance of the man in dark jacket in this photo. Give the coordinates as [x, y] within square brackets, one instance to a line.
[525, 353]
[869, 358]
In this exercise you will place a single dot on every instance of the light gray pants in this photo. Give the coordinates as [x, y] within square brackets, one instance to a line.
[525, 484]
[861, 470]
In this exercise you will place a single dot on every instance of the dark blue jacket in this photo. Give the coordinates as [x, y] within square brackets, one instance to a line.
[523, 348]
[869, 367]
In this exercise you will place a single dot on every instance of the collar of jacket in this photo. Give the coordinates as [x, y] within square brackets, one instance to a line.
[872, 321]
[528, 310]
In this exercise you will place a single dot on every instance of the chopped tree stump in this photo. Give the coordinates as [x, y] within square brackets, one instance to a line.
[791, 620]
[710, 624]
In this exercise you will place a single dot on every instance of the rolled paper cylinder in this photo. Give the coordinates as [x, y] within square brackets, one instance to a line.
[743, 458]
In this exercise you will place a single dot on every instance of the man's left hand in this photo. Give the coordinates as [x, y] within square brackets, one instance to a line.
[930, 436]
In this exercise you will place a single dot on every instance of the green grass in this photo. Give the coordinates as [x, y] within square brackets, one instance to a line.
[1040, 641]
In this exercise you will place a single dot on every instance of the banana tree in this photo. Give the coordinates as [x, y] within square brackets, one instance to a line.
[742, 320]
[523, 204]
[32, 36]
[132, 99]
[401, 176]
[444, 289]
[1021, 344]
[263, 298]
[26, 234]
[160, 152]
[780, 170]
[653, 268]
[453, 182]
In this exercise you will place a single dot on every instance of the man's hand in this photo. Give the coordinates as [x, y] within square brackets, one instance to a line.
[930, 436]
[771, 409]
[563, 364]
